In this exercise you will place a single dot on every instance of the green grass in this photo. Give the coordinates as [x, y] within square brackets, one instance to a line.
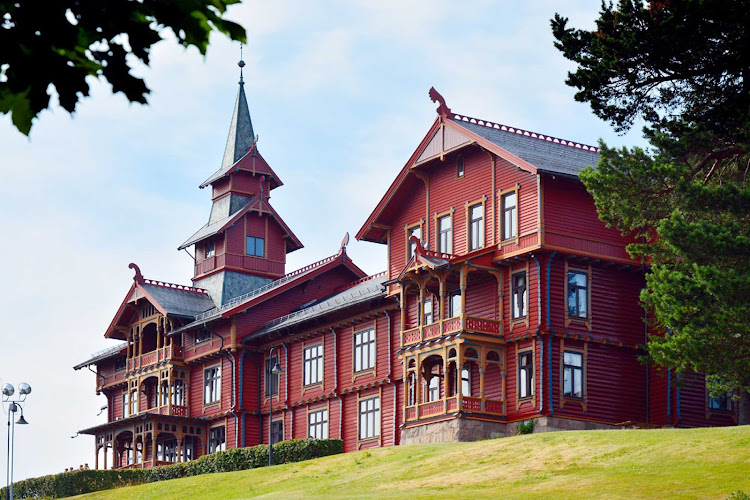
[663, 464]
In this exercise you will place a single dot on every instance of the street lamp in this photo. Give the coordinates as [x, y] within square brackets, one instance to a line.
[276, 370]
[14, 405]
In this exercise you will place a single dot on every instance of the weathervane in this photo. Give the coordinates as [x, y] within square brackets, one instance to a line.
[241, 64]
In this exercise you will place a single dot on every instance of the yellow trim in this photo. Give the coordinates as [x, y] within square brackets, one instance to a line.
[437, 217]
[501, 218]
[469, 206]
[407, 228]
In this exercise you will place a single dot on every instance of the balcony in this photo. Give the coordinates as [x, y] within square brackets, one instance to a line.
[239, 262]
[174, 410]
[451, 325]
[447, 406]
[169, 353]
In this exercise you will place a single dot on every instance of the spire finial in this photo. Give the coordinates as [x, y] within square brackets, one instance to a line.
[241, 64]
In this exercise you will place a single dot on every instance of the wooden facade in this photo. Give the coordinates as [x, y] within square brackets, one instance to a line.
[504, 299]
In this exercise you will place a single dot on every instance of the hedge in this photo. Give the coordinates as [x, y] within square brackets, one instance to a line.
[86, 481]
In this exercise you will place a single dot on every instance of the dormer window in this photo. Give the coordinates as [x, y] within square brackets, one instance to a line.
[460, 166]
[256, 246]
[210, 248]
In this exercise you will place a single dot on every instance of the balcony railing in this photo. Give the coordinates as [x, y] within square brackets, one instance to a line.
[451, 325]
[169, 353]
[450, 405]
[178, 411]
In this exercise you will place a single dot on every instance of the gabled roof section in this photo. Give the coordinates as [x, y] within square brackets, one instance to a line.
[170, 299]
[262, 206]
[362, 291]
[213, 228]
[274, 288]
[528, 151]
[546, 153]
[107, 353]
[252, 162]
[424, 258]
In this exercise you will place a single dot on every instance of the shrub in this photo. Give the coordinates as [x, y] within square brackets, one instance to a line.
[86, 481]
[526, 427]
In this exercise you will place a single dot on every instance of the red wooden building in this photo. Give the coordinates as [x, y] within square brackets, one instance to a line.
[504, 299]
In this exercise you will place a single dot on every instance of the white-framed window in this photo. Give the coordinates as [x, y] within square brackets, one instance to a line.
[133, 403]
[369, 418]
[410, 245]
[412, 396]
[525, 374]
[313, 364]
[163, 394]
[509, 209]
[445, 234]
[317, 424]
[460, 169]
[210, 247]
[212, 384]
[476, 226]
[465, 382]
[364, 350]
[433, 389]
[518, 294]
[217, 439]
[454, 304]
[125, 405]
[573, 374]
[166, 451]
[178, 393]
[428, 317]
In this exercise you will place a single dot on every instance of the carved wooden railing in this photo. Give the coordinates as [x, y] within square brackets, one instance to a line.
[173, 352]
[451, 325]
[446, 406]
[176, 410]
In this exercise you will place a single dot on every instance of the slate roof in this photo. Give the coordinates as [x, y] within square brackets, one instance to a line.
[548, 154]
[368, 289]
[109, 352]
[211, 228]
[179, 302]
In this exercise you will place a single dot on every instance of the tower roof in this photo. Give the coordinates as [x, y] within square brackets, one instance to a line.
[241, 135]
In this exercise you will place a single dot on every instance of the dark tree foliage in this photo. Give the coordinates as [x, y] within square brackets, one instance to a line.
[680, 67]
[62, 42]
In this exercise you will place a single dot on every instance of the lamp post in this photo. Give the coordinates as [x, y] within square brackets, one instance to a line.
[276, 371]
[14, 405]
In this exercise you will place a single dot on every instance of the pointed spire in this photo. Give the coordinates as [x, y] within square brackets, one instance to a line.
[241, 134]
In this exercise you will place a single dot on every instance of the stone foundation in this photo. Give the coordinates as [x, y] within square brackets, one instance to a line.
[464, 429]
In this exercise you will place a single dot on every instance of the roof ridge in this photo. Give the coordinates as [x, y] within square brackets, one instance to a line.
[525, 133]
[175, 286]
[360, 281]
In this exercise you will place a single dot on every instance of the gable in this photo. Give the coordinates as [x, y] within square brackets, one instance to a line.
[443, 141]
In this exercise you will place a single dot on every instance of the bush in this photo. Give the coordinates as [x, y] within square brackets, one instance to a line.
[86, 481]
[526, 427]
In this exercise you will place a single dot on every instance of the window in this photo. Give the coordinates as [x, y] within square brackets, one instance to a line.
[188, 449]
[518, 295]
[364, 350]
[476, 226]
[573, 374]
[578, 294]
[210, 248]
[133, 403]
[412, 389]
[217, 440]
[369, 418]
[256, 246]
[427, 306]
[433, 389]
[410, 245]
[202, 335]
[445, 234]
[125, 405]
[166, 451]
[317, 425]
[454, 304]
[178, 393]
[313, 364]
[277, 431]
[120, 363]
[460, 166]
[722, 402]
[163, 394]
[272, 379]
[212, 385]
[525, 375]
[510, 215]
[465, 382]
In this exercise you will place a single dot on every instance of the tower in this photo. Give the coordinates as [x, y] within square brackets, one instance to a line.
[244, 243]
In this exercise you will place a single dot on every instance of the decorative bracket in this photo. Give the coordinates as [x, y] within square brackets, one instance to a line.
[443, 110]
[138, 278]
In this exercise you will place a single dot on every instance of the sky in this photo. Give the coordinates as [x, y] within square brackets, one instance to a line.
[338, 96]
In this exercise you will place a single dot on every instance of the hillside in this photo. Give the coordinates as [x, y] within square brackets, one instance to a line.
[668, 463]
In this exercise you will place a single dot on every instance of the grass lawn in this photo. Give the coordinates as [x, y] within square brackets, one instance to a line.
[663, 464]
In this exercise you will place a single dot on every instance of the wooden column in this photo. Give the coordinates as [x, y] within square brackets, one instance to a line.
[153, 445]
[106, 452]
[403, 306]
[421, 303]
[441, 280]
[159, 333]
[462, 284]
[96, 455]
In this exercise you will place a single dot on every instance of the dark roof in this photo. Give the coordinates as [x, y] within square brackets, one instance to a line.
[546, 153]
[179, 302]
[139, 417]
[212, 228]
[364, 291]
[109, 352]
